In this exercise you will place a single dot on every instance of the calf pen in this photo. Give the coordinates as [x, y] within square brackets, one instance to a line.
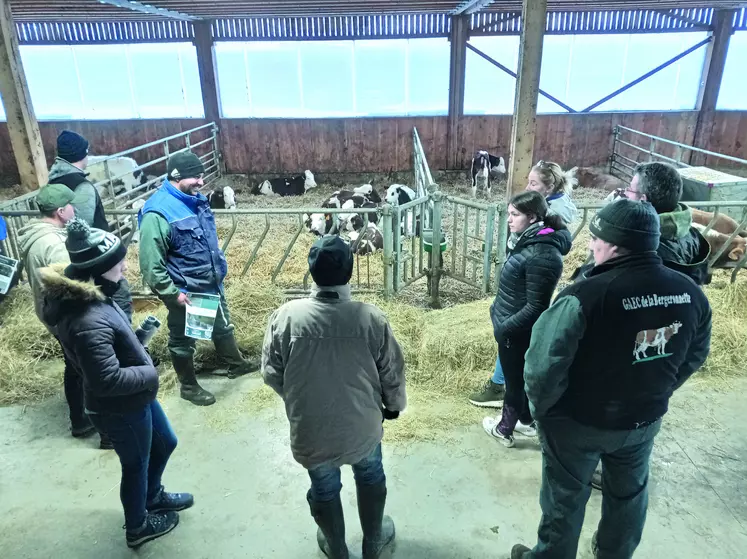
[431, 237]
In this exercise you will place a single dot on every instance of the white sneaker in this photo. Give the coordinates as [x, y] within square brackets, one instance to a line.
[490, 424]
[526, 430]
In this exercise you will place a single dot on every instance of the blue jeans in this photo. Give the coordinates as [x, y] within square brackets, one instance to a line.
[143, 440]
[498, 377]
[325, 479]
[570, 453]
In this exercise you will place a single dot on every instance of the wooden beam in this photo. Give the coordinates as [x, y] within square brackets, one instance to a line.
[710, 81]
[22, 125]
[533, 17]
[206, 66]
[148, 9]
[471, 6]
[457, 72]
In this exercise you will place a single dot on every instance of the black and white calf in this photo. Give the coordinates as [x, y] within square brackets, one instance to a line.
[366, 242]
[369, 192]
[287, 186]
[123, 171]
[399, 194]
[223, 199]
[486, 166]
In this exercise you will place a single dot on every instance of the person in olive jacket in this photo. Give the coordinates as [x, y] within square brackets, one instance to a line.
[527, 282]
[119, 380]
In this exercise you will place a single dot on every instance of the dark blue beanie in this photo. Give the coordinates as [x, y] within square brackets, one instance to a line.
[71, 146]
[330, 261]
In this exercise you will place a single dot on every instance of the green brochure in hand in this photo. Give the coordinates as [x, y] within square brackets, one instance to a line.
[201, 313]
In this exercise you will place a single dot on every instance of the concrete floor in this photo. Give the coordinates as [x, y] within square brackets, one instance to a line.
[59, 496]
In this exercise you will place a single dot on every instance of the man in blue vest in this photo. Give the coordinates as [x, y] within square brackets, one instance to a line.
[179, 254]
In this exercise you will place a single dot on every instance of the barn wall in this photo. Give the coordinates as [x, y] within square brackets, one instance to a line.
[385, 144]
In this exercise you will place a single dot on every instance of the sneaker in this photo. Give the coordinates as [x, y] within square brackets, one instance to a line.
[491, 395]
[105, 443]
[526, 430]
[155, 526]
[596, 478]
[490, 424]
[170, 502]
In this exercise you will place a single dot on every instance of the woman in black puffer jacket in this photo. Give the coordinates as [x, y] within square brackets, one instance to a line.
[528, 279]
[119, 380]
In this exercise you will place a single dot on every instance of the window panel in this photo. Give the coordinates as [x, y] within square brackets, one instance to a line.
[488, 89]
[733, 93]
[380, 77]
[53, 84]
[556, 60]
[157, 81]
[327, 78]
[105, 81]
[428, 76]
[233, 89]
[274, 85]
[596, 68]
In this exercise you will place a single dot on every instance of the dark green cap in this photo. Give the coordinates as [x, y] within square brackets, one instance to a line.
[53, 197]
[184, 165]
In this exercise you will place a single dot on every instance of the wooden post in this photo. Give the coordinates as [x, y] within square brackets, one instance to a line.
[710, 81]
[533, 18]
[22, 125]
[457, 67]
[206, 64]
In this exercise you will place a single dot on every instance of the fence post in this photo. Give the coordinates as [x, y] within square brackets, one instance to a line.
[113, 195]
[219, 162]
[396, 222]
[488, 248]
[500, 252]
[615, 138]
[435, 256]
[387, 234]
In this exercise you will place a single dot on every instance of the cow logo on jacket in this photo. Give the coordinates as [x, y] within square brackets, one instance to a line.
[656, 339]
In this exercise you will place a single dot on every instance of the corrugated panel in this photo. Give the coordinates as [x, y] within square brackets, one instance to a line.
[604, 21]
[740, 19]
[101, 32]
[382, 26]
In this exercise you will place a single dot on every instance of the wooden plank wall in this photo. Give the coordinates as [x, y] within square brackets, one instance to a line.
[385, 144]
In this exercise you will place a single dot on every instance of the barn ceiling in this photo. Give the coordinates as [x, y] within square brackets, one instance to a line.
[98, 10]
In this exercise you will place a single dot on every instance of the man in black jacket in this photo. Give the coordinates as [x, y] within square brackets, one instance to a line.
[603, 362]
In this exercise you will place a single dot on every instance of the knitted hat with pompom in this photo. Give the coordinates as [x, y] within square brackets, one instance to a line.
[93, 252]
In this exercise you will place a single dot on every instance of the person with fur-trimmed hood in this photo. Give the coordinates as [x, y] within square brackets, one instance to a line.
[602, 364]
[119, 379]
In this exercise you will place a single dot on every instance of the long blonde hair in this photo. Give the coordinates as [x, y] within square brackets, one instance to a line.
[552, 175]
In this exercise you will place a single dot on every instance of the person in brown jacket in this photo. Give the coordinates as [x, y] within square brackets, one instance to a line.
[340, 371]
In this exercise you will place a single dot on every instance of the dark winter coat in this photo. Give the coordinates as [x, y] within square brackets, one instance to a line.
[613, 348]
[118, 375]
[528, 280]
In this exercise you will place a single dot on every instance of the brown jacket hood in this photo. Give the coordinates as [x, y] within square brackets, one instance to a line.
[62, 294]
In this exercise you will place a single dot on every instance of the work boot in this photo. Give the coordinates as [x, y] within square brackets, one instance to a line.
[331, 532]
[83, 429]
[378, 530]
[105, 443]
[189, 389]
[520, 551]
[155, 526]
[491, 395]
[228, 353]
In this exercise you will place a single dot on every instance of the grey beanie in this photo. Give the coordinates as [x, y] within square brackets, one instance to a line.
[628, 224]
[93, 252]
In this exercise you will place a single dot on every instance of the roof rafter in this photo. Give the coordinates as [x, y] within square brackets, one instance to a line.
[471, 6]
[148, 9]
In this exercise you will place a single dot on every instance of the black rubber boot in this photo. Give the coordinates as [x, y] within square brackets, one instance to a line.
[331, 533]
[378, 530]
[189, 389]
[228, 353]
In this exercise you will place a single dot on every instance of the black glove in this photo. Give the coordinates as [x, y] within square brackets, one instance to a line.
[156, 360]
[389, 414]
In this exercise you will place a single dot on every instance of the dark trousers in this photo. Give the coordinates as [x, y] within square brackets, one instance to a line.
[325, 479]
[570, 453]
[73, 383]
[144, 441]
[515, 405]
